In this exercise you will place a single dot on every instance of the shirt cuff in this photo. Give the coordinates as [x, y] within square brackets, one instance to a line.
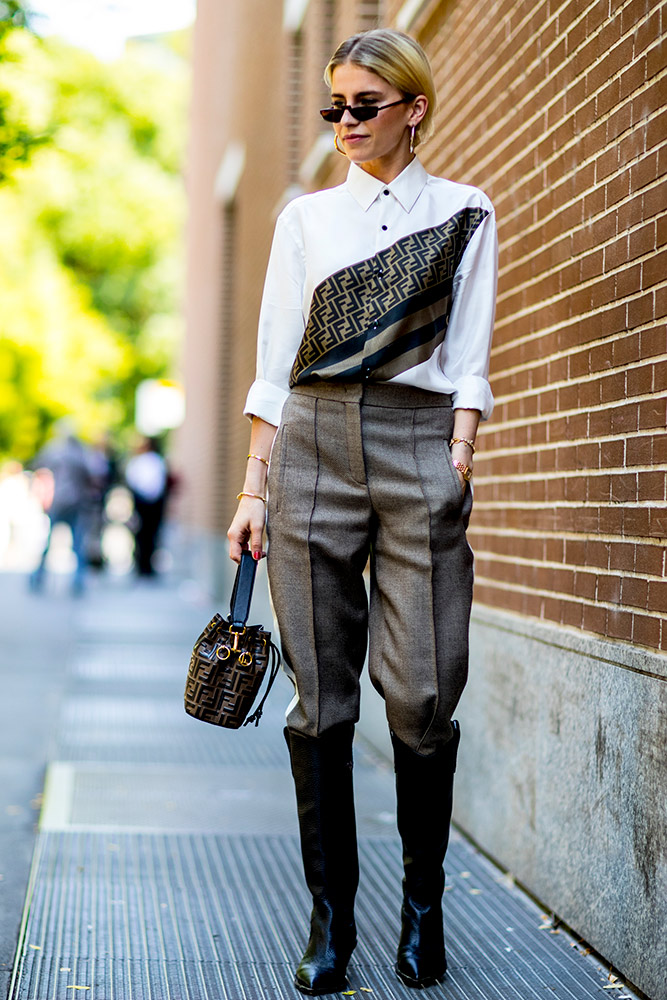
[265, 400]
[473, 393]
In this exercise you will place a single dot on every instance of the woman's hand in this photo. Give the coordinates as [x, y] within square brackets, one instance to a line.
[461, 453]
[247, 529]
[465, 429]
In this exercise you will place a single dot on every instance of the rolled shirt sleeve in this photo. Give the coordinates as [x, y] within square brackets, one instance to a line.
[466, 349]
[281, 323]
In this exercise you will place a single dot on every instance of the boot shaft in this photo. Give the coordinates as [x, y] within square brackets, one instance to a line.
[322, 768]
[424, 799]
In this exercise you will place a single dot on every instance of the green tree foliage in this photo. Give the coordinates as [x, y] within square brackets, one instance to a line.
[18, 136]
[91, 219]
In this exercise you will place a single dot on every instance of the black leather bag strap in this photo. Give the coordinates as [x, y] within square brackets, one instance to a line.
[242, 592]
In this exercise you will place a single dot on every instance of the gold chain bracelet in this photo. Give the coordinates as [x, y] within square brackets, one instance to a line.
[257, 496]
[467, 441]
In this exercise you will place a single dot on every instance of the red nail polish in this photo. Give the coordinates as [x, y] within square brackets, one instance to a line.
[257, 555]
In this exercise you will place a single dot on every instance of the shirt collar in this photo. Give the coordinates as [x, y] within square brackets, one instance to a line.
[406, 188]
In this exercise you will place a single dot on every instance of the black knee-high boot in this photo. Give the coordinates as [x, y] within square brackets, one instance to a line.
[424, 790]
[322, 771]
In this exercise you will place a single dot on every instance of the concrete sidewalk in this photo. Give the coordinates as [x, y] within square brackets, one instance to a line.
[166, 864]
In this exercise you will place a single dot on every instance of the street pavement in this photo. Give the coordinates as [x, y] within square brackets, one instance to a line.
[147, 856]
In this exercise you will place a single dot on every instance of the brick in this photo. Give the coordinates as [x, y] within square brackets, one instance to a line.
[568, 396]
[652, 413]
[554, 549]
[595, 619]
[639, 450]
[546, 460]
[635, 521]
[660, 376]
[600, 423]
[639, 381]
[595, 201]
[587, 456]
[552, 609]
[657, 596]
[603, 291]
[654, 200]
[598, 489]
[585, 584]
[656, 129]
[612, 387]
[633, 77]
[651, 485]
[575, 488]
[634, 592]
[572, 613]
[598, 553]
[657, 517]
[640, 310]
[650, 560]
[619, 624]
[653, 341]
[659, 449]
[625, 350]
[609, 589]
[622, 556]
[611, 454]
[642, 241]
[645, 171]
[601, 357]
[624, 418]
[654, 269]
[646, 631]
[588, 393]
[629, 280]
[610, 520]
[624, 488]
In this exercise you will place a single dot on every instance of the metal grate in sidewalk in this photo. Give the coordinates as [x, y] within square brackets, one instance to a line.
[220, 917]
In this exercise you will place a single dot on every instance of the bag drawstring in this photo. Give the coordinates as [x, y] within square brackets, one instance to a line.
[273, 673]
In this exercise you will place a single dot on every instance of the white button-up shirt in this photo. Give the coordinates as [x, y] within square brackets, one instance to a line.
[384, 282]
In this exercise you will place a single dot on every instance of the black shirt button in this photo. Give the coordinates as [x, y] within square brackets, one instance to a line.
[385, 228]
[385, 192]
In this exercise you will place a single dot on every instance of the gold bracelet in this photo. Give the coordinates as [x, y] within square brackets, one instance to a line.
[465, 470]
[257, 496]
[259, 458]
[463, 441]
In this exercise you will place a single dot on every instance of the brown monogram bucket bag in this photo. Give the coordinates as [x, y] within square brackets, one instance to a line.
[230, 660]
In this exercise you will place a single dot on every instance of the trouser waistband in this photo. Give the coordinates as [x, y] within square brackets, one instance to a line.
[375, 394]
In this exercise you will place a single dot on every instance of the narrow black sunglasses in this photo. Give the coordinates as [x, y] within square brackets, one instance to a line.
[361, 114]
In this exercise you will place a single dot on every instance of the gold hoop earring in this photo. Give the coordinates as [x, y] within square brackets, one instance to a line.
[337, 146]
[412, 138]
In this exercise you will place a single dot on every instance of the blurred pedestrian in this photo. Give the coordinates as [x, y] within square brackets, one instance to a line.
[147, 478]
[68, 461]
[104, 463]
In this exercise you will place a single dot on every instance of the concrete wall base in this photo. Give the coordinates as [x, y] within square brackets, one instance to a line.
[562, 779]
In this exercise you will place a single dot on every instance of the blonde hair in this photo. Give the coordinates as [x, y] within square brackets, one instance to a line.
[396, 58]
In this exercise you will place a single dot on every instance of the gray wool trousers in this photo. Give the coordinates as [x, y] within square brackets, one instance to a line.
[363, 471]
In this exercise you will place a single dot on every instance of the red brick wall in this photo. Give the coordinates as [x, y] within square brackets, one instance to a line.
[557, 111]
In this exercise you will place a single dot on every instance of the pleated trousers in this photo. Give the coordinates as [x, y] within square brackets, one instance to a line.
[363, 471]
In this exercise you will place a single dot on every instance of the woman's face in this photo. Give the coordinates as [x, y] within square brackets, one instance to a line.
[383, 141]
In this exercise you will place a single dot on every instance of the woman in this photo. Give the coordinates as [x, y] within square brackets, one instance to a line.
[374, 342]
